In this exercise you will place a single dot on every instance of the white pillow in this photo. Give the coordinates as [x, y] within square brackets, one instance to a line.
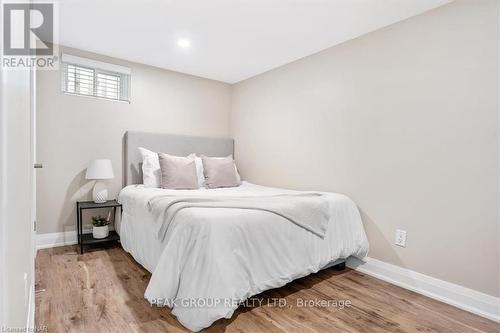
[151, 173]
[199, 170]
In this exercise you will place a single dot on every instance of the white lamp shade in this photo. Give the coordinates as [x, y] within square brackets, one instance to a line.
[100, 169]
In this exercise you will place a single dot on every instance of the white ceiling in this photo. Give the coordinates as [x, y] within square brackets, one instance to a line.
[231, 40]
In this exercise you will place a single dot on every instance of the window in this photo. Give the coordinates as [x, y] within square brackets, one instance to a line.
[87, 77]
[108, 85]
[79, 80]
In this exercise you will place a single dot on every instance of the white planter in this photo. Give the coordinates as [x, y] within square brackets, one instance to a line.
[100, 232]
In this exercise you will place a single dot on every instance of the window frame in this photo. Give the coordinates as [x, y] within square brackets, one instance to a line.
[98, 68]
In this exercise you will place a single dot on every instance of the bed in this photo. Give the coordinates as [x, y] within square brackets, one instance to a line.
[210, 259]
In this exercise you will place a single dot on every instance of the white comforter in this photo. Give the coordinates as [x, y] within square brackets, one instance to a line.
[213, 258]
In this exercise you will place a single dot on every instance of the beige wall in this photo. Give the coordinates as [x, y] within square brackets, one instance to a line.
[403, 120]
[73, 130]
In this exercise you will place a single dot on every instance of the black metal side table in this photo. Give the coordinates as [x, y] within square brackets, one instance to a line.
[87, 238]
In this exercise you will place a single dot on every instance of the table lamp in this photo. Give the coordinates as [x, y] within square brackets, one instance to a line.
[99, 170]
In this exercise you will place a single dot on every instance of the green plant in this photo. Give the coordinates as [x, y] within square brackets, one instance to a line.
[99, 221]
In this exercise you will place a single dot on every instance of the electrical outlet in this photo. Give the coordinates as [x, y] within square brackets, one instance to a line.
[400, 239]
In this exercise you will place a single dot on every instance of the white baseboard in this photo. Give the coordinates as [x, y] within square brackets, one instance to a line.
[55, 239]
[464, 298]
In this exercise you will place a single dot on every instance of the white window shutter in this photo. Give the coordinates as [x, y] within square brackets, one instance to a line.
[88, 77]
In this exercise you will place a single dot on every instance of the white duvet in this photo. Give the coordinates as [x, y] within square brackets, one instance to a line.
[213, 258]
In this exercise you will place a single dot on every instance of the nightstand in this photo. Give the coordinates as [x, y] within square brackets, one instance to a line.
[87, 239]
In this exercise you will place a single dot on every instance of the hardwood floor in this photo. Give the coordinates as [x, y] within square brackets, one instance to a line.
[102, 291]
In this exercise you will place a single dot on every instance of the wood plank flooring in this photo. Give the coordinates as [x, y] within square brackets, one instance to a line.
[102, 291]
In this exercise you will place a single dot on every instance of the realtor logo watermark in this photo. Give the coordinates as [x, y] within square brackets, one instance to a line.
[28, 37]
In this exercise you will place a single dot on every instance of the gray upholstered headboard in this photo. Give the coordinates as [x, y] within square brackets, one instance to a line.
[179, 145]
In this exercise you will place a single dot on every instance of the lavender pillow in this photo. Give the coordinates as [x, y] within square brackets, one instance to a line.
[178, 173]
[220, 172]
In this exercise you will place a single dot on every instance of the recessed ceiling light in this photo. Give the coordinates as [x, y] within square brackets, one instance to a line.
[183, 43]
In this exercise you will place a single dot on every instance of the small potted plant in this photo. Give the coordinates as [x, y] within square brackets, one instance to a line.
[100, 226]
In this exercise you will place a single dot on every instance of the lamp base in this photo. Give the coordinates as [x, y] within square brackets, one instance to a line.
[100, 192]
